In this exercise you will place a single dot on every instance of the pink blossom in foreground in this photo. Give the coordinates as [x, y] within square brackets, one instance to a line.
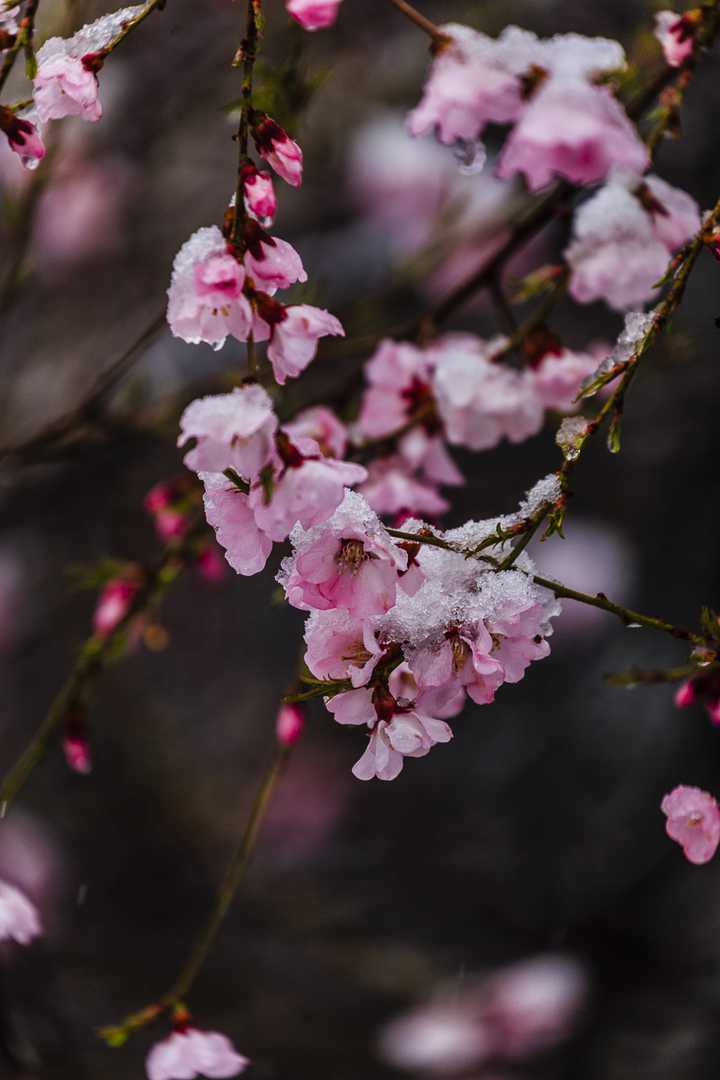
[271, 262]
[289, 724]
[676, 35]
[622, 239]
[19, 919]
[462, 659]
[321, 424]
[189, 1052]
[574, 130]
[341, 646]
[205, 299]
[294, 340]
[259, 193]
[113, 604]
[348, 562]
[64, 86]
[280, 151]
[228, 511]
[314, 14]
[23, 138]
[234, 430]
[479, 401]
[693, 820]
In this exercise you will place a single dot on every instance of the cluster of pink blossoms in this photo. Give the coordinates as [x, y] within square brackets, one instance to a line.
[407, 629]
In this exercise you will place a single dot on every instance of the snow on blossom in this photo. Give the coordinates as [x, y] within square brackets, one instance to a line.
[321, 424]
[574, 130]
[347, 562]
[228, 511]
[64, 86]
[480, 401]
[314, 14]
[294, 339]
[259, 195]
[19, 919]
[341, 646]
[676, 37]
[23, 137]
[113, 604]
[205, 298]
[622, 238]
[234, 430]
[693, 820]
[277, 148]
[190, 1053]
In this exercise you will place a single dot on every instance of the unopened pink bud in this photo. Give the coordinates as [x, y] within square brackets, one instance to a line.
[713, 711]
[289, 725]
[77, 753]
[113, 605]
[685, 695]
[170, 524]
[158, 498]
[211, 565]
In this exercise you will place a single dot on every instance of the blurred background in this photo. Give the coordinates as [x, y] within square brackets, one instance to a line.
[380, 929]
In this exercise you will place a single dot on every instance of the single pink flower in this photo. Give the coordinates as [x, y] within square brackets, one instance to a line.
[64, 86]
[427, 453]
[693, 820]
[171, 524]
[228, 511]
[77, 752]
[392, 489]
[313, 14]
[321, 424]
[571, 129]
[205, 298]
[676, 35]
[280, 151]
[19, 919]
[462, 659]
[559, 376]
[294, 340]
[271, 262]
[398, 377]
[189, 1052]
[234, 430]
[341, 646]
[289, 724]
[23, 138]
[113, 605]
[259, 193]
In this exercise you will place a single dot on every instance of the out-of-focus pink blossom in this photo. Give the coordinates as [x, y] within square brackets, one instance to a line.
[273, 263]
[571, 129]
[64, 86]
[210, 564]
[294, 340]
[398, 377]
[19, 919]
[693, 820]
[322, 425]
[77, 215]
[289, 725]
[704, 687]
[676, 35]
[77, 752]
[189, 1052]
[260, 201]
[559, 376]
[480, 401]
[113, 604]
[392, 489]
[9, 21]
[314, 14]
[280, 151]
[228, 511]
[205, 299]
[234, 430]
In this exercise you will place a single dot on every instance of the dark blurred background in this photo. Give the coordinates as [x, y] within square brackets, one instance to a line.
[538, 829]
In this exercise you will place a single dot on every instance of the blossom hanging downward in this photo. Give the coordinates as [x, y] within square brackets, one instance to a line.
[676, 34]
[23, 137]
[314, 14]
[693, 820]
[205, 299]
[277, 148]
[190, 1053]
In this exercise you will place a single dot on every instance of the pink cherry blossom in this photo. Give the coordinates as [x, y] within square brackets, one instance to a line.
[189, 1053]
[294, 340]
[480, 401]
[674, 214]
[273, 263]
[348, 562]
[704, 687]
[77, 752]
[462, 659]
[314, 14]
[693, 820]
[307, 488]
[322, 425]
[571, 129]
[289, 724]
[205, 300]
[398, 376]
[113, 604]
[210, 564]
[559, 376]
[23, 137]
[19, 919]
[341, 646]
[8, 20]
[228, 511]
[280, 151]
[392, 489]
[426, 452]
[64, 86]
[234, 430]
[676, 37]
[259, 193]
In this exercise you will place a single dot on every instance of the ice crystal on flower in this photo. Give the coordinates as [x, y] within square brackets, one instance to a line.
[93, 37]
[571, 436]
